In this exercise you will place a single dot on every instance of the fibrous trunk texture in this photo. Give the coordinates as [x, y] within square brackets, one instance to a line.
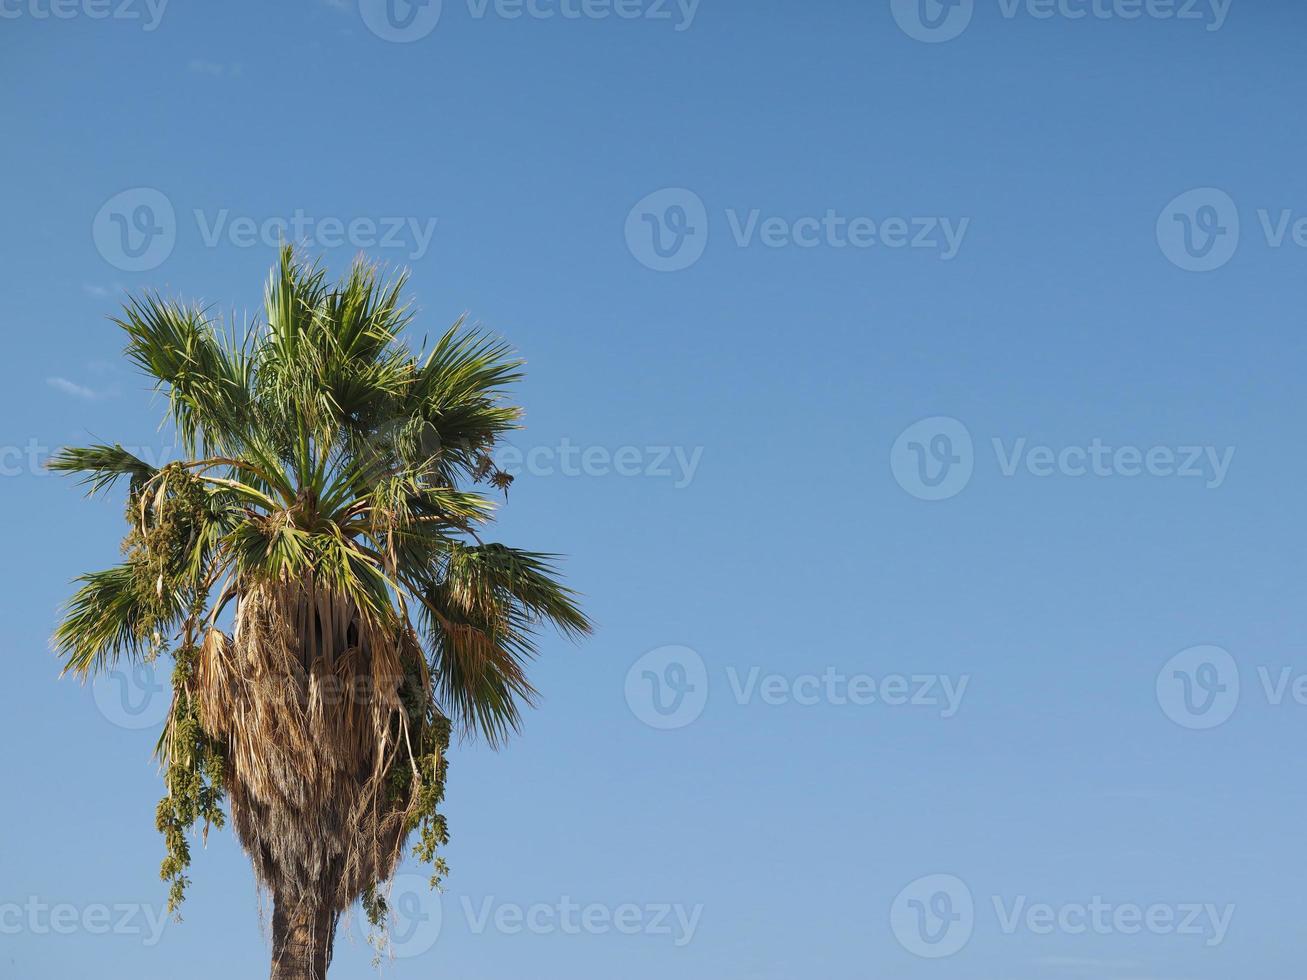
[302, 941]
[307, 698]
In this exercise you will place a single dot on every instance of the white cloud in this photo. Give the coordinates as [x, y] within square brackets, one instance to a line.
[71, 388]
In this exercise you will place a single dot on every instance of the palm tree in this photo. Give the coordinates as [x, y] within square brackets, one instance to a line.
[314, 569]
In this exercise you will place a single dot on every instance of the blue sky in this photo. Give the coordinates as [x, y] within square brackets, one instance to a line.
[915, 390]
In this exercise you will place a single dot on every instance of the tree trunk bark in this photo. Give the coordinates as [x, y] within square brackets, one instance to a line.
[302, 940]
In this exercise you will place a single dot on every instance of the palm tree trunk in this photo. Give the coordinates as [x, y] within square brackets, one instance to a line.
[302, 940]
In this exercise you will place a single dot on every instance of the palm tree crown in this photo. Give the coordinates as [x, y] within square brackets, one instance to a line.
[320, 537]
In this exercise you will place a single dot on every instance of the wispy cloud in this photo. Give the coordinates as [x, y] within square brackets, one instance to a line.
[102, 291]
[72, 388]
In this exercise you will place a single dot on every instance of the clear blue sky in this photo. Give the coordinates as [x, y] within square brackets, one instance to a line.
[784, 359]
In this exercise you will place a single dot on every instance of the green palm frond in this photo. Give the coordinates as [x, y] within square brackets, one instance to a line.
[115, 613]
[207, 381]
[481, 613]
[319, 447]
[102, 466]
